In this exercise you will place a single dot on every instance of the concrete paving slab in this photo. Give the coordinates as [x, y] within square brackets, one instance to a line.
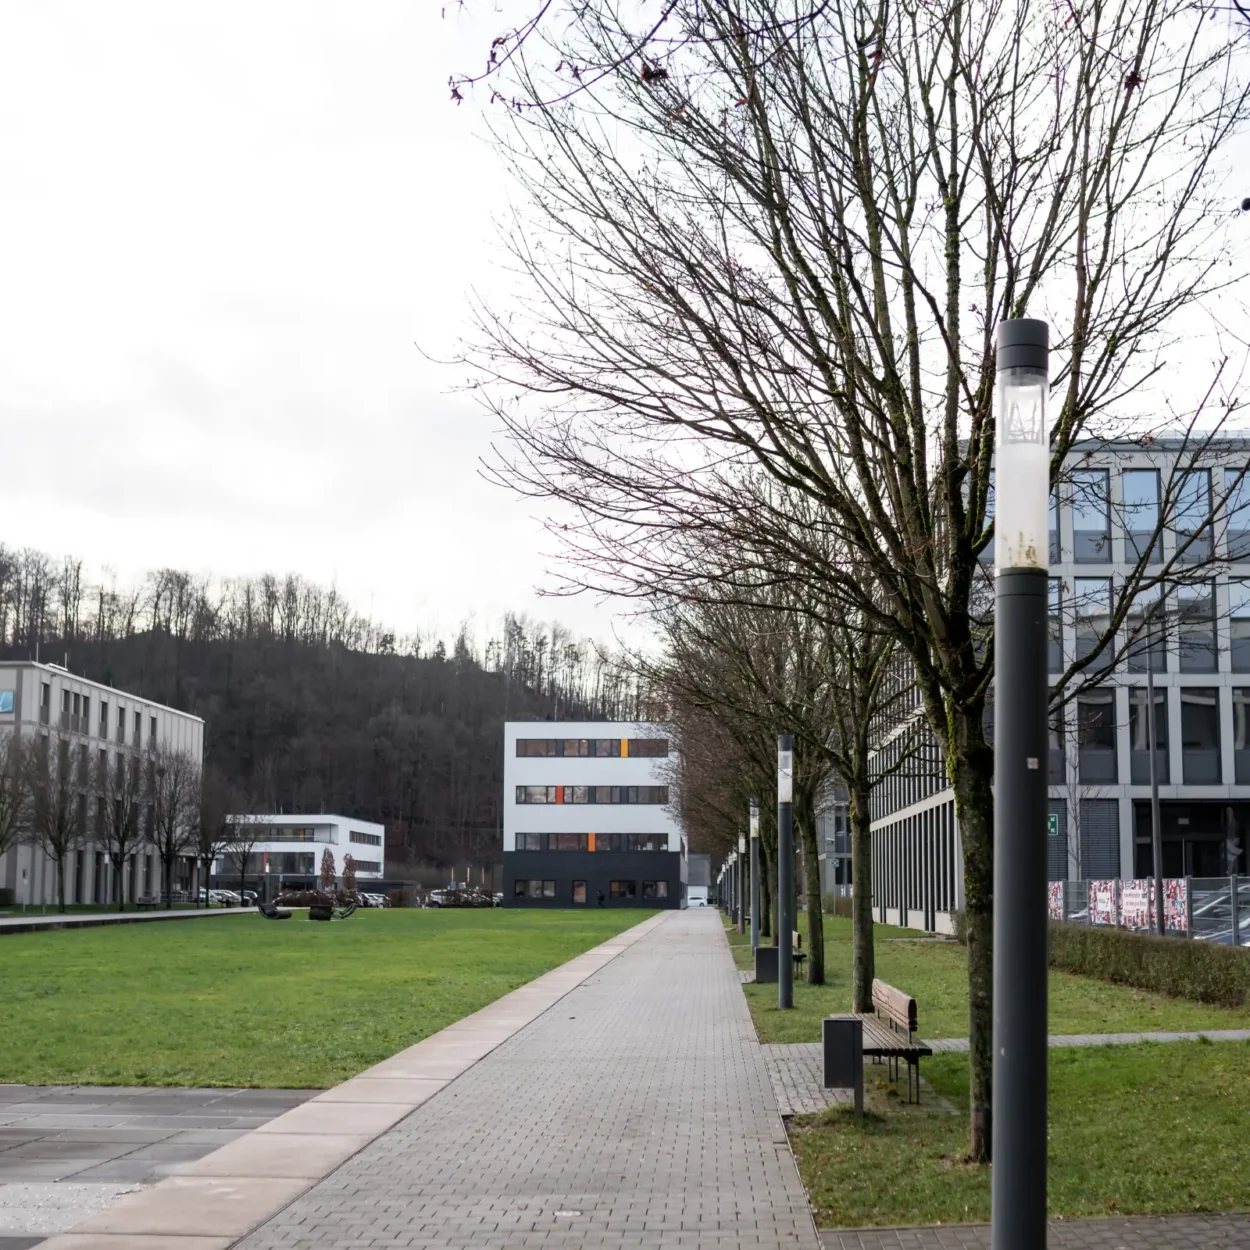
[294, 1156]
[41, 1209]
[410, 1093]
[350, 1118]
[110, 1241]
[214, 1206]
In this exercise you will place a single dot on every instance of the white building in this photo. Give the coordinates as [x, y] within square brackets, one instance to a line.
[102, 723]
[586, 817]
[286, 847]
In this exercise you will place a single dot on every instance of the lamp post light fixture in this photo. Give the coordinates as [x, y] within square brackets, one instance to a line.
[785, 870]
[755, 875]
[1021, 753]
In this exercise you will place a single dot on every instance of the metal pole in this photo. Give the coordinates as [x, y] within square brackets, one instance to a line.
[1156, 832]
[1021, 743]
[755, 875]
[785, 870]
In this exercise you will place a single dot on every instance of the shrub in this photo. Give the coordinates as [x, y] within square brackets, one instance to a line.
[959, 926]
[400, 898]
[1166, 965]
[306, 898]
[836, 905]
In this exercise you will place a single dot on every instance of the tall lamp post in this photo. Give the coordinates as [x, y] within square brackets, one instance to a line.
[1021, 565]
[785, 869]
[755, 875]
[742, 883]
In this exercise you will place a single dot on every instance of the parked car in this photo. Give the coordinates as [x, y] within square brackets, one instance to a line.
[376, 900]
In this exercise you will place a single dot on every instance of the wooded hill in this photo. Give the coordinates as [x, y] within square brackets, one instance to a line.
[309, 706]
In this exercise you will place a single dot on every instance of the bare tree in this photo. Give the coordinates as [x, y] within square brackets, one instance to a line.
[173, 781]
[59, 784]
[217, 800]
[244, 833]
[784, 249]
[121, 792]
[327, 869]
[15, 790]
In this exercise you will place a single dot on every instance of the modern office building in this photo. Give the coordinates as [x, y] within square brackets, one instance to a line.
[1197, 651]
[286, 850]
[586, 820]
[107, 728]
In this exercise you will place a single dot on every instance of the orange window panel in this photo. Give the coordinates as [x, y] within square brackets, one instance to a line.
[624, 748]
[559, 794]
[590, 838]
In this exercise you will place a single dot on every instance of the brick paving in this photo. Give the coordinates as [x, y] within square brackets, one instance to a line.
[636, 1112]
[1166, 1232]
[959, 1045]
[796, 1071]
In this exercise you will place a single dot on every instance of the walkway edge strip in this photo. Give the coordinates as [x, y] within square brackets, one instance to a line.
[225, 1196]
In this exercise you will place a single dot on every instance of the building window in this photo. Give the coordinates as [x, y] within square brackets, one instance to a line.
[623, 889]
[528, 748]
[1141, 515]
[1239, 626]
[609, 841]
[579, 892]
[655, 889]
[568, 841]
[365, 839]
[151, 731]
[648, 748]
[533, 889]
[1200, 736]
[1241, 735]
[1193, 514]
[1096, 722]
[1091, 517]
[85, 722]
[104, 720]
[1054, 772]
[535, 794]
[368, 865]
[1147, 647]
[1054, 627]
[1237, 509]
[138, 727]
[45, 702]
[1139, 735]
[1092, 604]
[1195, 627]
[647, 841]
[529, 841]
[1054, 526]
[121, 724]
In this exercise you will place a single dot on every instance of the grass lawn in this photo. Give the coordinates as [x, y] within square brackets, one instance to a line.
[935, 974]
[1141, 1129]
[244, 1001]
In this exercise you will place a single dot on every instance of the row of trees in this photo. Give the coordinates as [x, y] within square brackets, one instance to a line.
[59, 796]
[762, 250]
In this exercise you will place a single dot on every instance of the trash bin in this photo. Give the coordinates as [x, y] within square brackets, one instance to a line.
[842, 1039]
[765, 964]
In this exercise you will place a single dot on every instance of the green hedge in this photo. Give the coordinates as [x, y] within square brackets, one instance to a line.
[1177, 966]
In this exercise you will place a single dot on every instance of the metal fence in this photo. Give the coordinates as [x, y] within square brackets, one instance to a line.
[1207, 909]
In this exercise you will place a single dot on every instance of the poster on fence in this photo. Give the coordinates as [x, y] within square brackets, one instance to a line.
[1104, 902]
[1054, 899]
[1176, 904]
[1136, 898]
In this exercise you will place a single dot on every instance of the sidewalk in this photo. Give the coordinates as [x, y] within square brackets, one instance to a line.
[33, 921]
[620, 1100]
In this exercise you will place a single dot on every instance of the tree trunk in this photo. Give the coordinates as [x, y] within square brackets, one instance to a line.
[815, 900]
[60, 884]
[972, 771]
[863, 956]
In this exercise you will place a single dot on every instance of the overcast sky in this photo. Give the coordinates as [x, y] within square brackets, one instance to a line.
[222, 227]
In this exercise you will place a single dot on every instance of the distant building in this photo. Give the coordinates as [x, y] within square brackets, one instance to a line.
[698, 878]
[586, 816]
[106, 725]
[290, 847]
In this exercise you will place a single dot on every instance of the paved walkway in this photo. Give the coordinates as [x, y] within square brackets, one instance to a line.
[1166, 1232]
[635, 1113]
[959, 1045]
[33, 921]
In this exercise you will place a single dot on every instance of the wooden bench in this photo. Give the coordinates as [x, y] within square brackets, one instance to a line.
[889, 1033]
[147, 903]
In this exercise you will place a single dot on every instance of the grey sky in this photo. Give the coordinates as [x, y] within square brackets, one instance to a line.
[223, 226]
